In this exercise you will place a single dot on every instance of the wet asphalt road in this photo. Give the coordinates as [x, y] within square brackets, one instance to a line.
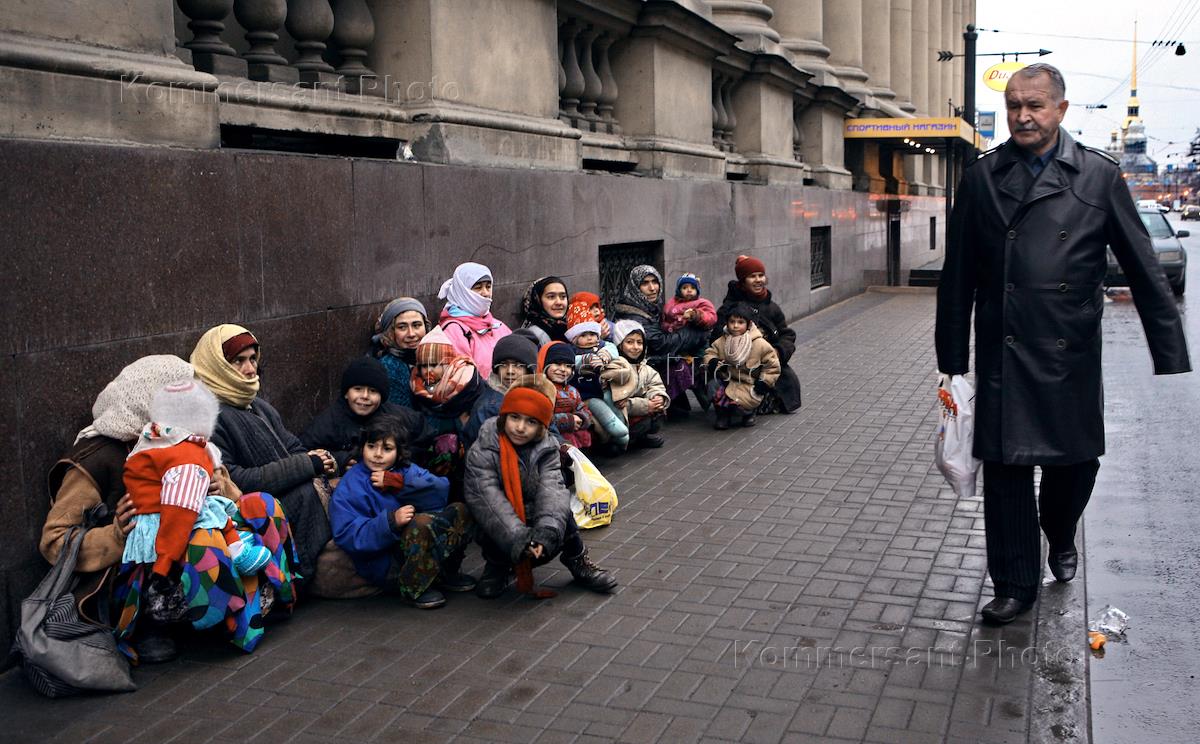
[1143, 531]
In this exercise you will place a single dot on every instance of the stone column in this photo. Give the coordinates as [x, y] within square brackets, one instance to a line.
[801, 33]
[914, 169]
[937, 101]
[842, 23]
[901, 50]
[877, 35]
[952, 40]
[920, 56]
[747, 20]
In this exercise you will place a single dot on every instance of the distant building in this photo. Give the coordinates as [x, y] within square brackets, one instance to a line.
[1128, 144]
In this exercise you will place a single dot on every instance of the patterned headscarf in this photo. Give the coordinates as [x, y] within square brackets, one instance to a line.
[229, 385]
[123, 407]
[632, 294]
[533, 313]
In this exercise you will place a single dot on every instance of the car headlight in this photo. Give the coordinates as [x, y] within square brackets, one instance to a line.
[1169, 256]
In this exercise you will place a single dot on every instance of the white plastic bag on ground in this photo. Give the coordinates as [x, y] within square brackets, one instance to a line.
[956, 434]
[595, 499]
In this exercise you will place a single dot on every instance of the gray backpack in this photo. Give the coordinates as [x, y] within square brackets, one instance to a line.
[61, 653]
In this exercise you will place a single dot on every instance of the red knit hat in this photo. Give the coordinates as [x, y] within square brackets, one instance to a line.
[528, 402]
[237, 344]
[747, 265]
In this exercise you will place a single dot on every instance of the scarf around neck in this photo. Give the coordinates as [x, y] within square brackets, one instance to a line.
[225, 382]
[458, 293]
[510, 475]
[459, 376]
[737, 348]
[632, 295]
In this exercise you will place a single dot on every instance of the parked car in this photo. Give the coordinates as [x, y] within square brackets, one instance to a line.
[1190, 212]
[1171, 254]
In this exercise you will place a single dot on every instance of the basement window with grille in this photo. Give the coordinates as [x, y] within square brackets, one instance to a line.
[616, 261]
[820, 240]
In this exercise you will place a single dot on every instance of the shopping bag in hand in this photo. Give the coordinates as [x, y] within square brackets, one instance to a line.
[595, 499]
[956, 434]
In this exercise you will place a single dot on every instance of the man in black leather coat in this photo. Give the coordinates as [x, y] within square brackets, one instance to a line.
[1026, 250]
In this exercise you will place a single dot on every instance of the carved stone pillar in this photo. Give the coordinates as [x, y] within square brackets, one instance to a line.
[951, 40]
[937, 102]
[573, 88]
[842, 22]
[353, 32]
[209, 52]
[310, 22]
[877, 46]
[901, 50]
[591, 81]
[802, 35]
[262, 20]
[608, 86]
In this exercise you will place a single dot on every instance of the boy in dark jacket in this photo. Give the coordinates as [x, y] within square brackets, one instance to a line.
[392, 519]
[515, 490]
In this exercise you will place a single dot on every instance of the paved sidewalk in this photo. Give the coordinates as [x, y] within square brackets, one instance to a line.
[809, 579]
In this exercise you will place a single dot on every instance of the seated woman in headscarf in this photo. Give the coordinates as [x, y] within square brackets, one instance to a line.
[87, 486]
[544, 310]
[668, 353]
[364, 397]
[401, 325]
[445, 387]
[467, 317]
[259, 451]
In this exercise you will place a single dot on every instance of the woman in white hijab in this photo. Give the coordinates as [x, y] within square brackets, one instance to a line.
[467, 317]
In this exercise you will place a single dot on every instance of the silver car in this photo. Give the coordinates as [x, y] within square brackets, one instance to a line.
[1171, 254]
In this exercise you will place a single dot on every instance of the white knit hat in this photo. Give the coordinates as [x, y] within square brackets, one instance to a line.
[588, 326]
[623, 328]
[186, 405]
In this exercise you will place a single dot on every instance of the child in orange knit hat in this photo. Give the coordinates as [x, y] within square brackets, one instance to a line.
[515, 490]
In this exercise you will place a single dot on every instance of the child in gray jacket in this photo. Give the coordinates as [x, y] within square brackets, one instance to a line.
[515, 491]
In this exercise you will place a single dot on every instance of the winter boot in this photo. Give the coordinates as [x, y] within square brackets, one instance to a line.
[722, 422]
[588, 574]
[430, 599]
[451, 578]
[649, 441]
[493, 581]
[748, 419]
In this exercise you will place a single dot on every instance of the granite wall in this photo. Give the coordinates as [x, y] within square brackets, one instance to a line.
[111, 253]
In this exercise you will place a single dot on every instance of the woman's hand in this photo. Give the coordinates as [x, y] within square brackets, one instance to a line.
[125, 515]
[656, 404]
[327, 460]
[404, 515]
[224, 485]
[578, 421]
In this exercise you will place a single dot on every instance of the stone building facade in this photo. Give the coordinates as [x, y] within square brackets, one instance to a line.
[293, 164]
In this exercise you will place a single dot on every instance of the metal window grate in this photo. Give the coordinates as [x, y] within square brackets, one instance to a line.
[616, 261]
[820, 241]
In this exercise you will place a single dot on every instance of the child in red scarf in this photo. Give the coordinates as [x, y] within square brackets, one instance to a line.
[515, 491]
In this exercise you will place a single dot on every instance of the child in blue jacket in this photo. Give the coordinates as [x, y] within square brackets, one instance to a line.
[393, 520]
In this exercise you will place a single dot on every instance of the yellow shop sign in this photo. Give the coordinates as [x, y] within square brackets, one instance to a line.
[996, 77]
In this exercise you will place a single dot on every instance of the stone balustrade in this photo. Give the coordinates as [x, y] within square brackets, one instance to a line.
[587, 87]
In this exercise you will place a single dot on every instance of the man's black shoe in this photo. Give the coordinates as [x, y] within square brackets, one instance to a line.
[1003, 610]
[493, 581]
[649, 441]
[1063, 565]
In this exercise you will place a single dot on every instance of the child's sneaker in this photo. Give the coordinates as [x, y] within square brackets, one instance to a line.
[251, 559]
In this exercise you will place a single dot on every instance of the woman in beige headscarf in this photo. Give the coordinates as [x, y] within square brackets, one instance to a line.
[261, 454]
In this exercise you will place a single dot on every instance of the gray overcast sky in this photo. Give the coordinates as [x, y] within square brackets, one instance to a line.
[1168, 86]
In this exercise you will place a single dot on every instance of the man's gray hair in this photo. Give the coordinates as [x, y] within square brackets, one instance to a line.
[1058, 87]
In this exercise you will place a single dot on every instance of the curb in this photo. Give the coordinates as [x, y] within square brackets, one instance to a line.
[1060, 699]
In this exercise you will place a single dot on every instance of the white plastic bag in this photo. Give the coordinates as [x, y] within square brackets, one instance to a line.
[956, 434]
[595, 499]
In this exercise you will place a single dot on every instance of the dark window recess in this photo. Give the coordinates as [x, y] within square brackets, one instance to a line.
[311, 143]
[608, 166]
[820, 243]
[933, 233]
[616, 261]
